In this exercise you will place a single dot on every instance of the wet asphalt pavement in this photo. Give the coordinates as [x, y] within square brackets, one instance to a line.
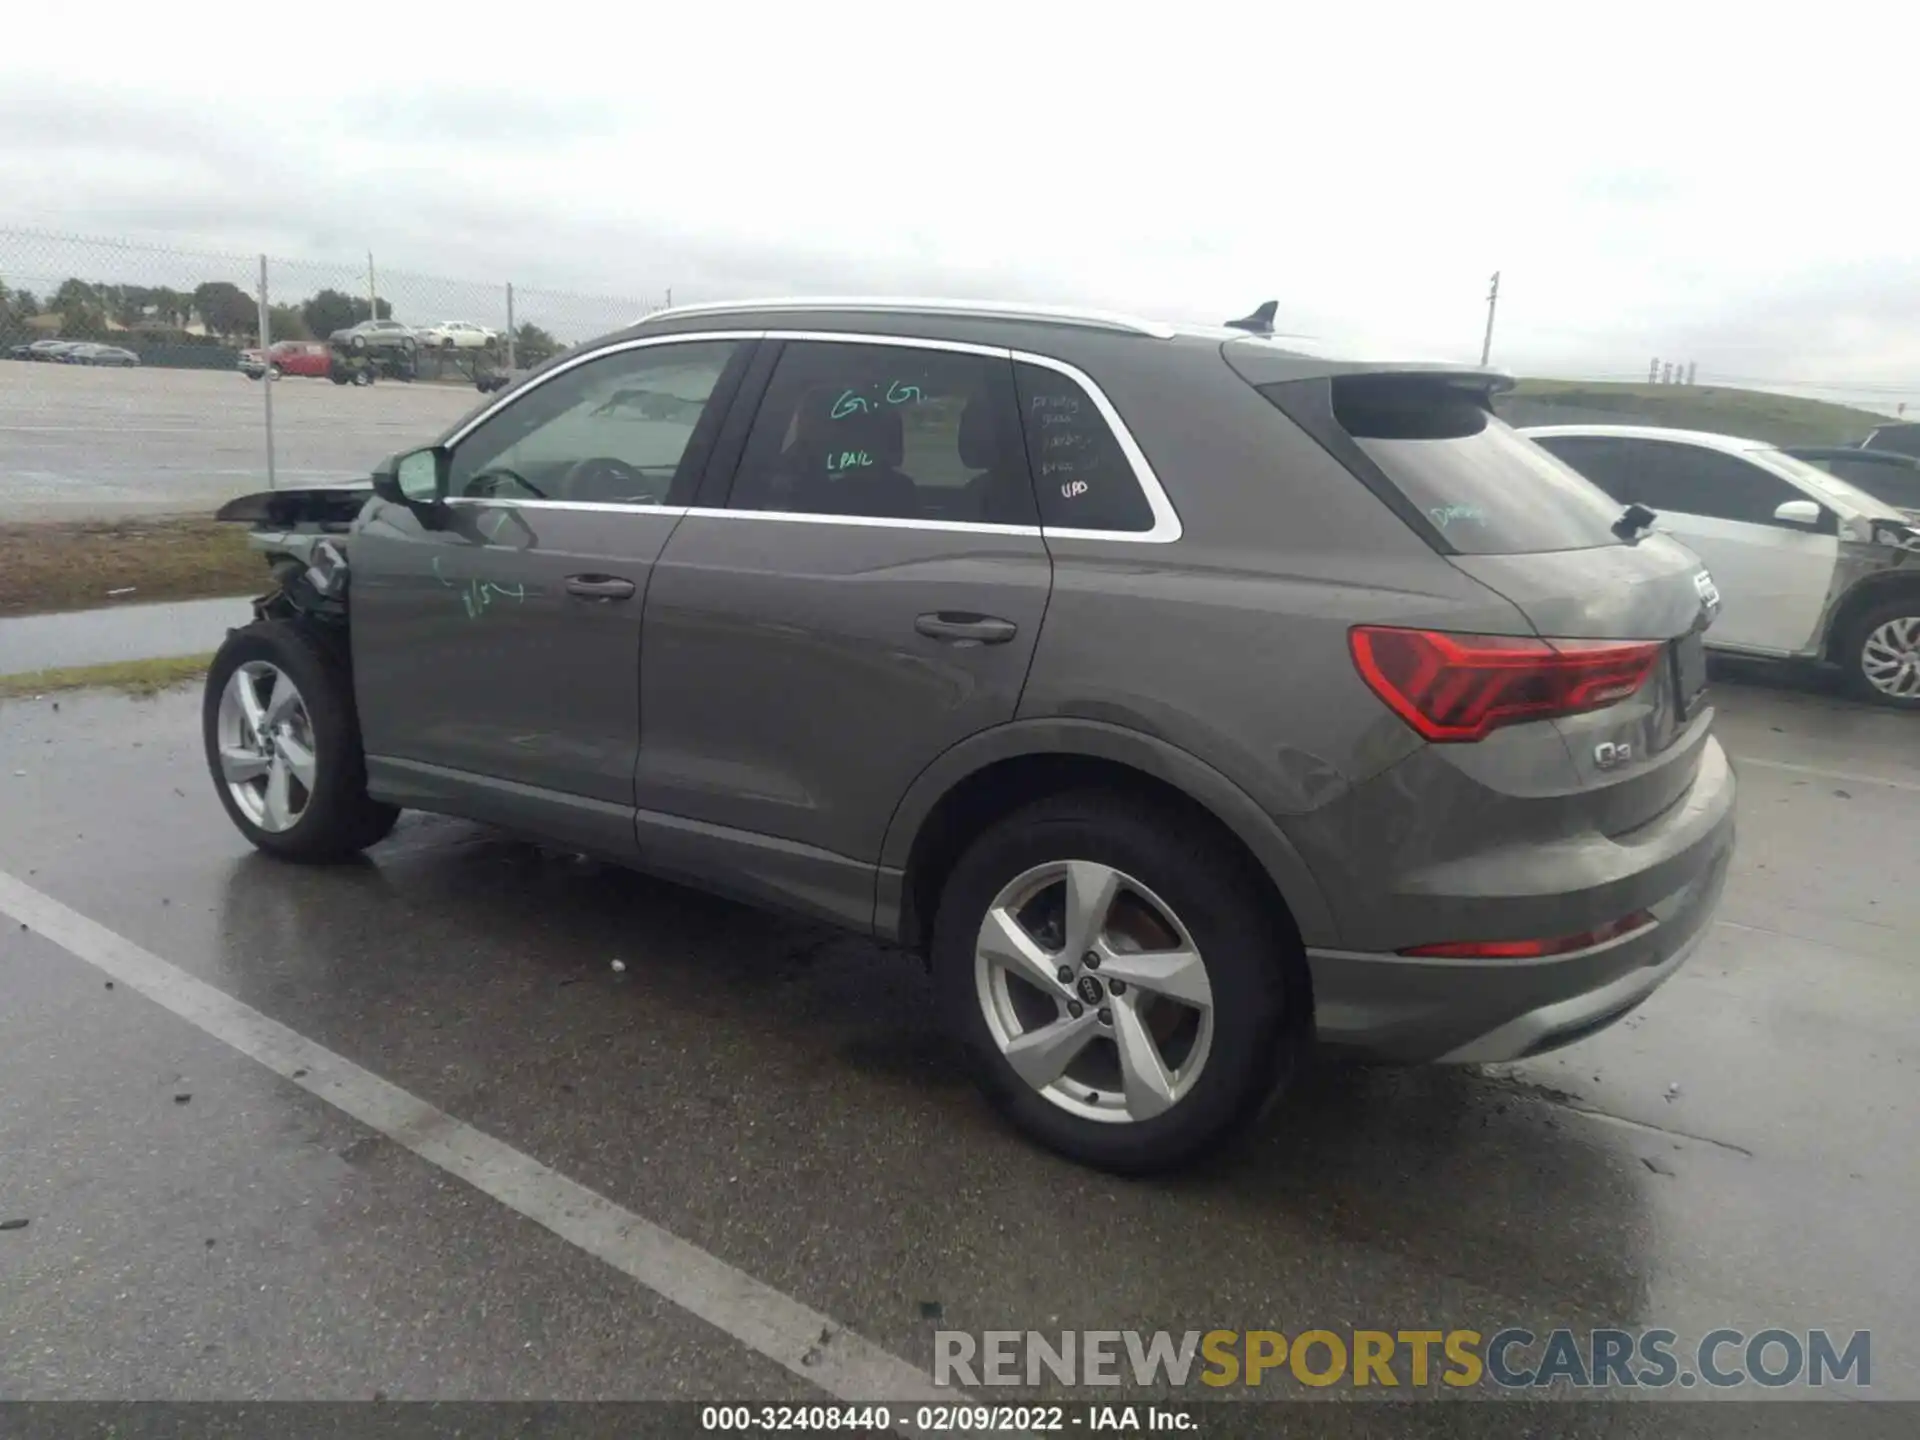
[1739, 1152]
[126, 632]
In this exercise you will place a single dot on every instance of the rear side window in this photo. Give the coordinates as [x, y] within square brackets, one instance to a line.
[1890, 484]
[1486, 489]
[886, 432]
[1083, 478]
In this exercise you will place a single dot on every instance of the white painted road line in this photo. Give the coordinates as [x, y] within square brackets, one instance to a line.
[1851, 777]
[814, 1347]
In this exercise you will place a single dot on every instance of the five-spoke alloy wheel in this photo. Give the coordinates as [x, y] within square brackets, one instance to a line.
[1125, 989]
[266, 745]
[1094, 992]
[283, 744]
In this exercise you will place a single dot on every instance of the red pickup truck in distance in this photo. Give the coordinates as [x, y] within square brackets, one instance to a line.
[287, 357]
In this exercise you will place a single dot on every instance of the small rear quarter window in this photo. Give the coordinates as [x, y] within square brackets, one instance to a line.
[1083, 478]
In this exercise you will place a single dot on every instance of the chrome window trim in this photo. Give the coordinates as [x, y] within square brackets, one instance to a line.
[925, 305]
[1166, 526]
[585, 506]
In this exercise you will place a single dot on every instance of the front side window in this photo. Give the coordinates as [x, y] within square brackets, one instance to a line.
[886, 432]
[616, 430]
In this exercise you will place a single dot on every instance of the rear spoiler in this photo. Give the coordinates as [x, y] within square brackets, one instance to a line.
[320, 505]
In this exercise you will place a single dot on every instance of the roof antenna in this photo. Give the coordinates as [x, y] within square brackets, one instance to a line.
[1260, 322]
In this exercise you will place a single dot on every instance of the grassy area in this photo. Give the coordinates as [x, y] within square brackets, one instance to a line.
[130, 677]
[74, 565]
[1778, 419]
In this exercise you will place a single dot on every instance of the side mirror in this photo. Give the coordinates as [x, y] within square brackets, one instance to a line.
[417, 480]
[1798, 512]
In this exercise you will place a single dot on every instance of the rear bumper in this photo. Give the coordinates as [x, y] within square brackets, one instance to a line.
[1395, 1007]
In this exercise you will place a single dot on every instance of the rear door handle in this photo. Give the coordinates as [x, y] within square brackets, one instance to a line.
[600, 587]
[962, 629]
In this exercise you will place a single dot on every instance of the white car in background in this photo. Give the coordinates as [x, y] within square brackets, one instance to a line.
[457, 335]
[1808, 566]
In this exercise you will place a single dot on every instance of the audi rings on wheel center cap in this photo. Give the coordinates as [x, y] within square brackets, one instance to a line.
[1089, 989]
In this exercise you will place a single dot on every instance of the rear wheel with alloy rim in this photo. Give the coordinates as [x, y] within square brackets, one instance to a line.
[1882, 654]
[1124, 991]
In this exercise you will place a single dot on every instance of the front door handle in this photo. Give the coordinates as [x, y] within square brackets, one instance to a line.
[963, 629]
[600, 587]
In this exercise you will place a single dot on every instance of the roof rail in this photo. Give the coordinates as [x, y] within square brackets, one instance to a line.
[967, 309]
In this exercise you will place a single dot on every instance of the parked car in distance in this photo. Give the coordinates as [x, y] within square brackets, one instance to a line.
[1884, 474]
[1808, 566]
[287, 357]
[44, 350]
[89, 354]
[375, 335]
[458, 335]
[1180, 697]
[1903, 438]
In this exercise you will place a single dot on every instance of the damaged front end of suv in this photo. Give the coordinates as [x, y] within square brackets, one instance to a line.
[302, 537]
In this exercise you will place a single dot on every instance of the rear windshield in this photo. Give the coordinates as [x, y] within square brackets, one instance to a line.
[1484, 487]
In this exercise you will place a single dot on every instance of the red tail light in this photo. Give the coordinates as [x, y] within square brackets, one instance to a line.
[1533, 949]
[1460, 687]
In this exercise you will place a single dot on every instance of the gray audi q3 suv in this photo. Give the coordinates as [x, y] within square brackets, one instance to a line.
[1184, 697]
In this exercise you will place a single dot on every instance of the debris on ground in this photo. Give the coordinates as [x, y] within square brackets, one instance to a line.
[619, 967]
[930, 1310]
[13, 1224]
[1673, 1089]
[124, 590]
[182, 1098]
[1658, 1167]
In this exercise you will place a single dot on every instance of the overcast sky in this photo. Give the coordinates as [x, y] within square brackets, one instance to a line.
[1738, 192]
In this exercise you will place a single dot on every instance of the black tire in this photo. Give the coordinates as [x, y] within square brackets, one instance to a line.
[363, 377]
[1853, 646]
[359, 342]
[1257, 972]
[275, 371]
[339, 820]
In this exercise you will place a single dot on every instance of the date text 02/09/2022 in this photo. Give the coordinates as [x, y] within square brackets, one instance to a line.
[966, 1419]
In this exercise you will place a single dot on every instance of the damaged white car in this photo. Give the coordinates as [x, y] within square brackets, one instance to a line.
[1808, 567]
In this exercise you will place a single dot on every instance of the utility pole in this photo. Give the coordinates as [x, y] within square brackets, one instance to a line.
[1653, 371]
[373, 295]
[1690, 372]
[510, 335]
[1493, 299]
[266, 364]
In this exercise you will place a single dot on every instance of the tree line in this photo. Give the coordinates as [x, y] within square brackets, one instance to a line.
[87, 310]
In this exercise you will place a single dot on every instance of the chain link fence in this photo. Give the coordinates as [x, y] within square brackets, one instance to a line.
[139, 378]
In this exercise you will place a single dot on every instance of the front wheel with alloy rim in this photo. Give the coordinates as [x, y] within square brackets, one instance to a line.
[283, 745]
[1122, 988]
[1882, 655]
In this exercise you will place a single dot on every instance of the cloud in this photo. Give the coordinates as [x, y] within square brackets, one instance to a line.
[1646, 180]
